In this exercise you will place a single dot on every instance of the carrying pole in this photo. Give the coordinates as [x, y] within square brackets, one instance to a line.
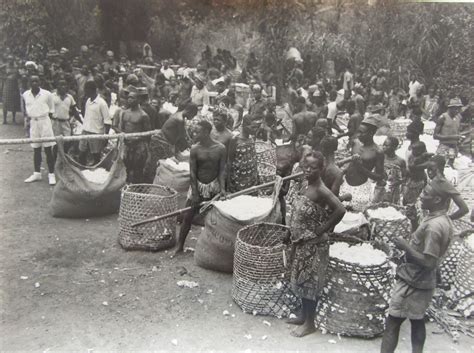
[206, 204]
[78, 138]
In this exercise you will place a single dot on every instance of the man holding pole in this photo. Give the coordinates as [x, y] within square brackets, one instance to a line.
[39, 108]
[207, 167]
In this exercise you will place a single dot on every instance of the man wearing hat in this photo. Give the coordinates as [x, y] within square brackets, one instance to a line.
[199, 92]
[447, 131]
[416, 276]
[367, 163]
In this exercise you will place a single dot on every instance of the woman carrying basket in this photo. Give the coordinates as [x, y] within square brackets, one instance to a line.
[316, 211]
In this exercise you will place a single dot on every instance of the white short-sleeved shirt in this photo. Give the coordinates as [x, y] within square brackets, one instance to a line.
[96, 116]
[62, 107]
[40, 105]
[332, 110]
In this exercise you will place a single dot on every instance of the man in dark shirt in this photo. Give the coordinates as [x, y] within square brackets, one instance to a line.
[416, 276]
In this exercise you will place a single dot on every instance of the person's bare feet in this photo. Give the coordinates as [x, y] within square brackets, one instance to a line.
[303, 330]
[178, 251]
[297, 320]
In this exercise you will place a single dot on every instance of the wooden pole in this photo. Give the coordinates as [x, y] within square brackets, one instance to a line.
[238, 193]
[77, 138]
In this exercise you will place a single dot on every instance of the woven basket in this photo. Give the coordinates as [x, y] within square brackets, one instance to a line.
[447, 268]
[355, 299]
[266, 173]
[386, 230]
[260, 283]
[141, 201]
[341, 154]
[266, 153]
[398, 128]
[464, 280]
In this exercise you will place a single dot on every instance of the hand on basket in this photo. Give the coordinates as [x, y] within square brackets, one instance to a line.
[401, 243]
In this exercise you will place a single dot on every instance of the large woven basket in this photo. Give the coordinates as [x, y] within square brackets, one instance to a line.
[266, 152]
[266, 173]
[398, 128]
[464, 280]
[141, 201]
[385, 230]
[260, 283]
[447, 268]
[355, 299]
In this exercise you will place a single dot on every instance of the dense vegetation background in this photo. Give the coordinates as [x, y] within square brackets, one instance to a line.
[434, 40]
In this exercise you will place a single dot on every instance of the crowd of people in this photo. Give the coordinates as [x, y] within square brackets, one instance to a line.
[217, 111]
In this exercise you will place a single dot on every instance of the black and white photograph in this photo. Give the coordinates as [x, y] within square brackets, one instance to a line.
[236, 176]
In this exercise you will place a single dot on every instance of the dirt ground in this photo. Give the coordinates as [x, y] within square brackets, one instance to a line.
[67, 285]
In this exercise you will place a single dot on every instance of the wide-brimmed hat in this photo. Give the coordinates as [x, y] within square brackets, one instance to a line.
[200, 78]
[130, 89]
[373, 120]
[455, 102]
[375, 108]
[142, 91]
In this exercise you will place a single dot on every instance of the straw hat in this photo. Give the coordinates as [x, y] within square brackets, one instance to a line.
[455, 102]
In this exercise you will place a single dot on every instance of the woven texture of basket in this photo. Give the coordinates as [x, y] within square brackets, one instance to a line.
[266, 153]
[355, 299]
[447, 268]
[141, 201]
[464, 280]
[386, 229]
[260, 283]
[398, 128]
[266, 173]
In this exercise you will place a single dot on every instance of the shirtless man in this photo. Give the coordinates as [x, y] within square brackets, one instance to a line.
[207, 167]
[171, 137]
[134, 119]
[447, 131]
[367, 163]
[220, 132]
[303, 121]
[332, 175]
[353, 125]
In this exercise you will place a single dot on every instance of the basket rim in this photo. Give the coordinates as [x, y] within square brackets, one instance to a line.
[382, 205]
[127, 187]
[238, 239]
[387, 259]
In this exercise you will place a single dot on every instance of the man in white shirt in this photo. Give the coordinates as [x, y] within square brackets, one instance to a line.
[64, 107]
[96, 122]
[199, 93]
[167, 71]
[413, 86]
[39, 107]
